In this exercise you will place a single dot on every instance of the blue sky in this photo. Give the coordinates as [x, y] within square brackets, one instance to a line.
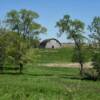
[51, 11]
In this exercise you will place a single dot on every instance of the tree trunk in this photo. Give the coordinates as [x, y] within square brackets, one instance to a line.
[79, 55]
[81, 69]
[1, 68]
[21, 68]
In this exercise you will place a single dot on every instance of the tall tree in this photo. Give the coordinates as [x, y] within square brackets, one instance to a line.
[74, 30]
[23, 22]
[95, 36]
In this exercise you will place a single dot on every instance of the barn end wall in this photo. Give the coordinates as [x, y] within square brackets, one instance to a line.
[52, 44]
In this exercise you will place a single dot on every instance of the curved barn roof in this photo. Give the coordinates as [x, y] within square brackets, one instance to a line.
[44, 42]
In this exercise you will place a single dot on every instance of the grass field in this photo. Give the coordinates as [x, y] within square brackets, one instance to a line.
[42, 83]
[63, 55]
[45, 83]
[51, 55]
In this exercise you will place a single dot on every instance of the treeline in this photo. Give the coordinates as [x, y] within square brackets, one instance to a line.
[18, 32]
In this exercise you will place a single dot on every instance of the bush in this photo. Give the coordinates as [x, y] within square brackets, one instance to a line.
[2, 52]
[96, 61]
[90, 74]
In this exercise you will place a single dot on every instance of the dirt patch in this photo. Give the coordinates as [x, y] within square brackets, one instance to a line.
[69, 65]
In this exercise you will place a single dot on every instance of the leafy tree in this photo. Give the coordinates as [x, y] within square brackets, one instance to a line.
[23, 22]
[95, 36]
[16, 49]
[74, 30]
[13, 21]
[21, 30]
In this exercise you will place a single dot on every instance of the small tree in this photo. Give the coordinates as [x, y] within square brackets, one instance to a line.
[74, 30]
[16, 49]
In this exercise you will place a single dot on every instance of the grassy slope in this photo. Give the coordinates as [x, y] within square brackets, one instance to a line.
[42, 83]
[63, 55]
[52, 55]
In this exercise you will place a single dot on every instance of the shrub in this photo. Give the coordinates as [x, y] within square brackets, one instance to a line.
[2, 52]
[96, 61]
[90, 74]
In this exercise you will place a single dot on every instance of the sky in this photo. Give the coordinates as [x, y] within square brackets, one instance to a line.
[51, 11]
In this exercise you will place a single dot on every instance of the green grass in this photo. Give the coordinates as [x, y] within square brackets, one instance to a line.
[51, 55]
[63, 55]
[42, 83]
[45, 83]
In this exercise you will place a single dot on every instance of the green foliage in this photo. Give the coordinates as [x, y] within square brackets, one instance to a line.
[95, 30]
[74, 30]
[95, 35]
[90, 74]
[23, 22]
[2, 51]
[12, 49]
[96, 61]
[76, 58]
[35, 43]
[16, 48]
[21, 33]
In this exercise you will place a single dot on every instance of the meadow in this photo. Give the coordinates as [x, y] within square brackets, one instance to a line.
[63, 55]
[48, 83]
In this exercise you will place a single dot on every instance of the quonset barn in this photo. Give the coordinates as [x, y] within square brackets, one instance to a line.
[50, 43]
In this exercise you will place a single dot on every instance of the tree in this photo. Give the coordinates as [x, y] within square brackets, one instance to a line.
[23, 22]
[2, 51]
[16, 48]
[21, 29]
[95, 36]
[13, 49]
[74, 30]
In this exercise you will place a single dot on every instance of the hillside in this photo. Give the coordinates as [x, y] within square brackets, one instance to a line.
[62, 55]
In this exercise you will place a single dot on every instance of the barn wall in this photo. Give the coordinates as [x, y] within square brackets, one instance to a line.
[52, 43]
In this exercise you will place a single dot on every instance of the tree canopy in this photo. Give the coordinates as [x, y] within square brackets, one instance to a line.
[23, 22]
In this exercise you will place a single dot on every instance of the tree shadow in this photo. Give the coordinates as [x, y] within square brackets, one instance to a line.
[76, 77]
[11, 73]
[65, 76]
[31, 74]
